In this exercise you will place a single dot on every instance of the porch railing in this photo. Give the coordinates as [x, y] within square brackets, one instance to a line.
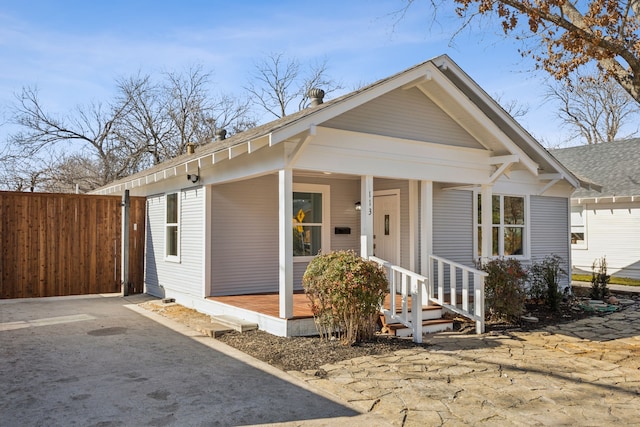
[471, 305]
[407, 284]
[417, 290]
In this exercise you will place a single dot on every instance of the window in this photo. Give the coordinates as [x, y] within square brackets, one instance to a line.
[508, 228]
[172, 227]
[310, 220]
[578, 226]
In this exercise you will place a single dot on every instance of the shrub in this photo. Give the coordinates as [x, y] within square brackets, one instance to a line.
[599, 279]
[346, 293]
[544, 278]
[504, 289]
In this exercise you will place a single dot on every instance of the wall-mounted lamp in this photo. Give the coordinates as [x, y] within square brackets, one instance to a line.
[193, 177]
[358, 206]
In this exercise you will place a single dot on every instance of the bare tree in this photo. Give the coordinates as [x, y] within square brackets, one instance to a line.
[512, 106]
[278, 81]
[595, 110]
[146, 123]
[88, 131]
[569, 34]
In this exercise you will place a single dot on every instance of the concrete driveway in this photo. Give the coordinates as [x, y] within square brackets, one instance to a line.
[95, 361]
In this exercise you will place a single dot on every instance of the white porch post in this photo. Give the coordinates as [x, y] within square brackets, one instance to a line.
[285, 191]
[487, 219]
[366, 216]
[206, 241]
[414, 241]
[426, 235]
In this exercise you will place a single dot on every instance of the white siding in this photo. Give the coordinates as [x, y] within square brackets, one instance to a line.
[405, 114]
[154, 245]
[184, 276]
[245, 237]
[453, 225]
[613, 230]
[549, 228]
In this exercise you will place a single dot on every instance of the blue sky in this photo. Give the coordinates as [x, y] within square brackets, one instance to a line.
[73, 51]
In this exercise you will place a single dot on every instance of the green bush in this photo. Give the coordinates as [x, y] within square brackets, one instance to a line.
[599, 279]
[544, 281]
[346, 293]
[504, 289]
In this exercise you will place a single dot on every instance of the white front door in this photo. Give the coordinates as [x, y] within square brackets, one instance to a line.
[386, 226]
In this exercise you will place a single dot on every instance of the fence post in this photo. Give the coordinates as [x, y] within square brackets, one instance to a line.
[124, 269]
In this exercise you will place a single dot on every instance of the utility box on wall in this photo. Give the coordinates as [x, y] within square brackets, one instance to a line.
[342, 230]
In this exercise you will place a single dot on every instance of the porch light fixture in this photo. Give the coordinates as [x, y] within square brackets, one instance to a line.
[358, 206]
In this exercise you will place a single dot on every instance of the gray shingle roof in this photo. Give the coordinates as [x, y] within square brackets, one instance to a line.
[614, 165]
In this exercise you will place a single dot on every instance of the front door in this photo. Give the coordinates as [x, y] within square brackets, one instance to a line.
[386, 226]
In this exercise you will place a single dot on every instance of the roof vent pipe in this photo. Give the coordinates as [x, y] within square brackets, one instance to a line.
[315, 96]
[220, 134]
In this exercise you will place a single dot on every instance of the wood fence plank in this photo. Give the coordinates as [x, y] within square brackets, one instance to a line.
[65, 244]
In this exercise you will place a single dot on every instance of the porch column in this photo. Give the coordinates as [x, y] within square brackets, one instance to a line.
[285, 203]
[426, 234]
[206, 241]
[414, 241]
[486, 198]
[366, 216]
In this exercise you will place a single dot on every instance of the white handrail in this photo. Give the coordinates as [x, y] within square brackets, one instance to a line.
[463, 308]
[409, 284]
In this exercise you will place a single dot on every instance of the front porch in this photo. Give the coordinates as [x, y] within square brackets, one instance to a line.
[411, 308]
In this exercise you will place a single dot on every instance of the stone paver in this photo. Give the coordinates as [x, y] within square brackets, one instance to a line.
[585, 372]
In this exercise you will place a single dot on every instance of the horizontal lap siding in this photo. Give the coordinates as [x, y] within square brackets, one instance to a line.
[184, 276]
[405, 114]
[549, 228]
[154, 244]
[613, 231]
[453, 226]
[453, 231]
[245, 237]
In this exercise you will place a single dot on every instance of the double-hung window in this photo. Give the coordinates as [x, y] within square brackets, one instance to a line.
[310, 220]
[508, 225]
[172, 227]
[578, 227]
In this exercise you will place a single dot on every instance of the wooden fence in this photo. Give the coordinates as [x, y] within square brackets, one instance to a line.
[67, 244]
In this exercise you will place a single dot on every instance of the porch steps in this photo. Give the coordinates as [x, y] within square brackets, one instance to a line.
[432, 322]
[234, 323]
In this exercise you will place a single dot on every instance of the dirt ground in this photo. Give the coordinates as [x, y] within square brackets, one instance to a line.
[309, 353]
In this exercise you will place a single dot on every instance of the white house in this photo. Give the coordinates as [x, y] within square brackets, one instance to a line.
[606, 223]
[399, 169]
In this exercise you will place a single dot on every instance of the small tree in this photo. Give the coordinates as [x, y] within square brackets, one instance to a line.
[346, 293]
[544, 281]
[599, 279]
[504, 288]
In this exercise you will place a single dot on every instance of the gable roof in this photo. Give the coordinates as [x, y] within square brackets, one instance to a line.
[457, 94]
[614, 165]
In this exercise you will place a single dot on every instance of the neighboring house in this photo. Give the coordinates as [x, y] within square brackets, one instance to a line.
[606, 223]
[398, 169]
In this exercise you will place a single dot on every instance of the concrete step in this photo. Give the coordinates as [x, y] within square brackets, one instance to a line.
[235, 323]
[428, 327]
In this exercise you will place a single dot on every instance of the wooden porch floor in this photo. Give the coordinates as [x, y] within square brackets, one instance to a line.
[269, 304]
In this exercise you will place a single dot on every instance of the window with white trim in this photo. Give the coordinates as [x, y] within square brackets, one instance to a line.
[508, 227]
[578, 227]
[172, 227]
[310, 220]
